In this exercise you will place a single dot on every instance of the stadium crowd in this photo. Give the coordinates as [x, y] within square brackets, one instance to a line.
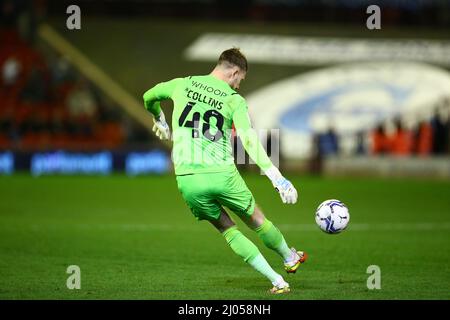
[428, 137]
[47, 105]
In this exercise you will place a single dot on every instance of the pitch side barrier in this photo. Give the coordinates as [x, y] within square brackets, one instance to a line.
[389, 166]
[103, 162]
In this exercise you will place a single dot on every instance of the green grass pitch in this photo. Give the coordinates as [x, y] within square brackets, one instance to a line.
[134, 238]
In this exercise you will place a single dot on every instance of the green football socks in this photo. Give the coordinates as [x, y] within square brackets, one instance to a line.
[260, 263]
[273, 239]
[247, 250]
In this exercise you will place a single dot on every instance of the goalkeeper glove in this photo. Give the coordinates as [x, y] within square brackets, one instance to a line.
[161, 128]
[284, 187]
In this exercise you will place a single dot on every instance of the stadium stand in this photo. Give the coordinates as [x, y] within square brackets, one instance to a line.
[46, 104]
[428, 137]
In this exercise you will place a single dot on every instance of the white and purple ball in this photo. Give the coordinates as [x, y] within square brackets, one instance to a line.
[332, 216]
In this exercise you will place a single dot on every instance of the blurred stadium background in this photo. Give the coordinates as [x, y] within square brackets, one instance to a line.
[348, 101]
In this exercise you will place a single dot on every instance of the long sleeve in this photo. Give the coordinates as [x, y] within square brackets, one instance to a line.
[162, 91]
[249, 136]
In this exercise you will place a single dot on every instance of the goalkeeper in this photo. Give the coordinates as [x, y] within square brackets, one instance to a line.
[205, 108]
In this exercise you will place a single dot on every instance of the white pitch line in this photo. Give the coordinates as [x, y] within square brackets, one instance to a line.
[421, 226]
[357, 227]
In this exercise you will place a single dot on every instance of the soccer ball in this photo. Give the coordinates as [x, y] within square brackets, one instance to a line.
[332, 216]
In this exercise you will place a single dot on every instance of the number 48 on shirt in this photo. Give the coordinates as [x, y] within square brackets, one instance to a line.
[208, 122]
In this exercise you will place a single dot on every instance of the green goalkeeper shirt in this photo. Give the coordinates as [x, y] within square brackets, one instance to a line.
[205, 109]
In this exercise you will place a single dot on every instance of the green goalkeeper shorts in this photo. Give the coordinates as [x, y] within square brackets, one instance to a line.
[205, 193]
